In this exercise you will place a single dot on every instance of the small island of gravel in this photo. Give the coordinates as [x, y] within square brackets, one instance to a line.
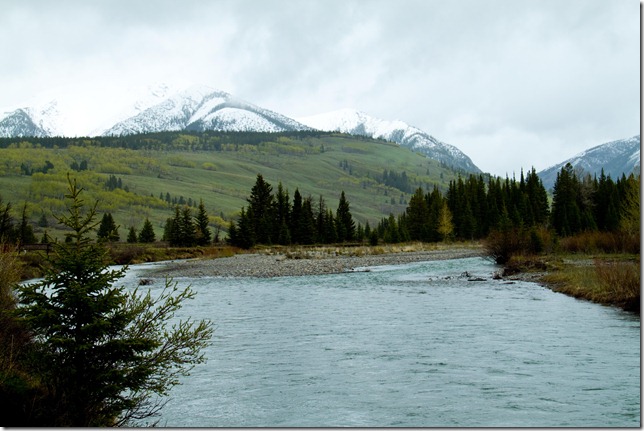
[276, 262]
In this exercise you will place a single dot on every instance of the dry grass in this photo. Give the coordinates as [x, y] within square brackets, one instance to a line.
[611, 282]
[601, 242]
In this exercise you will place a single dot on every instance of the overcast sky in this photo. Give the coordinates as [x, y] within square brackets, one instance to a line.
[512, 83]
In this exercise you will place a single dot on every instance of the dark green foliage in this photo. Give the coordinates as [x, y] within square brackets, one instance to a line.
[7, 228]
[26, 168]
[147, 232]
[203, 236]
[392, 178]
[418, 220]
[301, 222]
[131, 235]
[108, 230]
[100, 353]
[261, 211]
[345, 226]
[25, 231]
[113, 183]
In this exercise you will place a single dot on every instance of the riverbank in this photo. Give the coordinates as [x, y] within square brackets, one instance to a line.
[607, 279]
[292, 261]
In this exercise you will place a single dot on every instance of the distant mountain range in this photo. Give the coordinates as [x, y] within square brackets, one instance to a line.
[201, 108]
[615, 158]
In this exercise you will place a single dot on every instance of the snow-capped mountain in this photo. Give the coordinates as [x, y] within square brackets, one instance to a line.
[358, 123]
[616, 158]
[202, 108]
[39, 121]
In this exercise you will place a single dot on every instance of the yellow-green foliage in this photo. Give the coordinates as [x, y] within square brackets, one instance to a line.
[222, 178]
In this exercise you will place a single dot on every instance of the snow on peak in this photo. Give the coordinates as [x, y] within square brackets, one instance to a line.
[356, 122]
[201, 107]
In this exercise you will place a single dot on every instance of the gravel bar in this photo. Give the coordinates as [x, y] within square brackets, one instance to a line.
[282, 265]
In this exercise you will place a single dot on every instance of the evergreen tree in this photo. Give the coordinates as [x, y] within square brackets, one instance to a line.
[147, 232]
[245, 235]
[173, 228]
[296, 218]
[100, 352]
[261, 210]
[203, 234]
[418, 217]
[7, 228]
[537, 198]
[283, 213]
[345, 226]
[566, 215]
[330, 232]
[131, 235]
[187, 229]
[25, 230]
[320, 235]
[108, 230]
[306, 226]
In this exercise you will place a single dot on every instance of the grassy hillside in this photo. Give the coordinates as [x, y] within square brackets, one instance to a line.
[218, 168]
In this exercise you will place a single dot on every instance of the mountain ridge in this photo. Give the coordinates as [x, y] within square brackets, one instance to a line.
[618, 157]
[201, 108]
[356, 122]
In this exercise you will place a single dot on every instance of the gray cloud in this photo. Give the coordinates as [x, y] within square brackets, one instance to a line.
[511, 83]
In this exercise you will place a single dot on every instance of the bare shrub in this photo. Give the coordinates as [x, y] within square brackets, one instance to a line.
[619, 281]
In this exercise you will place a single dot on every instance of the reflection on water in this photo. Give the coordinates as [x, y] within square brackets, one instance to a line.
[409, 346]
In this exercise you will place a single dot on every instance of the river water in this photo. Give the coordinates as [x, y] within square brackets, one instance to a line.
[415, 345]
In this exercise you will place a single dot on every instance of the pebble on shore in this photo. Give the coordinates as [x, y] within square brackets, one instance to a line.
[280, 265]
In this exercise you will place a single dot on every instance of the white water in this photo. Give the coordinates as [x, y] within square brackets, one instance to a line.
[406, 346]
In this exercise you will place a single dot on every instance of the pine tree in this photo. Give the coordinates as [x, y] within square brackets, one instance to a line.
[25, 230]
[418, 217]
[203, 234]
[261, 210]
[296, 218]
[7, 228]
[101, 352]
[306, 226]
[187, 229]
[283, 213]
[108, 230]
[346, 227]
[131, 235]
[147, 232]
[566, 215]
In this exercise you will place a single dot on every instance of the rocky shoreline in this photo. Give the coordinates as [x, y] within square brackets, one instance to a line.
[267, 265]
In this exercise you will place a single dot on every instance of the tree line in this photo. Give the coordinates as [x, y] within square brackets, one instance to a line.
[472, 208]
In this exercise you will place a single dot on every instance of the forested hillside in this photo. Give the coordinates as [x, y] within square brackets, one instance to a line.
[143, 177]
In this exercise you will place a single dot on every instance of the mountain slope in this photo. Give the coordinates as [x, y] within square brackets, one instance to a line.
[616, 158]
[201, 108]
[20, 124]
[358, 123]
[38, 121]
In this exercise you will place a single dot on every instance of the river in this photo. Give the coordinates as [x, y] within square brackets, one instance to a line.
[417, 345]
